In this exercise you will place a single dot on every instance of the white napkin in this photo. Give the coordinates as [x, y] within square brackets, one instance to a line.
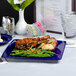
[69, 43]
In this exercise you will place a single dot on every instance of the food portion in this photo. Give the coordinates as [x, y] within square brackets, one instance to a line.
[44, 42]
[33, 52]
[1, 40]
[35, 47]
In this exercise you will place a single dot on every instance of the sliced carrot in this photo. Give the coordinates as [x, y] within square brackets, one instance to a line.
[31, 49]
[34, 52]
[39, 51]
[29, 52]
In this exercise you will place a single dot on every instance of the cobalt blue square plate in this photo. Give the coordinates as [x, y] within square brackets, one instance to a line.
[59, 52]
[6, 38]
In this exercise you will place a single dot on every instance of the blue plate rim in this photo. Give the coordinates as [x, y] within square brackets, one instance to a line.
[10, 38]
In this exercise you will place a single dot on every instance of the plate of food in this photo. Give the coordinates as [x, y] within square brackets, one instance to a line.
[4, 38]
[35, 48]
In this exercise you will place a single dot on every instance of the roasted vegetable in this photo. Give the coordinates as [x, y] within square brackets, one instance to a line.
[45, 37]
[44, 42]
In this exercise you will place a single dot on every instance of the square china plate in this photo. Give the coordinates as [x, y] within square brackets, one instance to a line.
[59, 52]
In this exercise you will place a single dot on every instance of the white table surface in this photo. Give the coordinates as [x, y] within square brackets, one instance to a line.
[65, 67]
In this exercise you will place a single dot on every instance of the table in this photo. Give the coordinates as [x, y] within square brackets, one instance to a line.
[65, 67]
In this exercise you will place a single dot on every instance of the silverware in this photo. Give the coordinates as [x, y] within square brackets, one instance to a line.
[2, 61]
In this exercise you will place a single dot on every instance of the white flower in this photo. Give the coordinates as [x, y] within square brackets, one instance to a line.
[18, 1]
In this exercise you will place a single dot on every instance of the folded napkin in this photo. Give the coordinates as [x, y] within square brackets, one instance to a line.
[35, 29]
[39, 24]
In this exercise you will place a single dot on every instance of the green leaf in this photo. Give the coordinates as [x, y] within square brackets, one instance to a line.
[26, 3]
[15, 6]
[18, 6]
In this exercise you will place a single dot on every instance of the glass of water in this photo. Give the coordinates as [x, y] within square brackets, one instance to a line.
[69, 29]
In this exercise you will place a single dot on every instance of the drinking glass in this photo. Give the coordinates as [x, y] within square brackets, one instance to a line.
[8, 24]
[69, 29]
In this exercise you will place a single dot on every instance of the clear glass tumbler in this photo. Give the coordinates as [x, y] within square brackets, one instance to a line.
[69, 29]
[8, 24]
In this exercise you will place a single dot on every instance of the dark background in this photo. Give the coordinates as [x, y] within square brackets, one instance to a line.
[74, 5]
[7, 10]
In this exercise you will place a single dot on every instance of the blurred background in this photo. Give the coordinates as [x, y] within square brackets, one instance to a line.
[7, 10]
[30, 12]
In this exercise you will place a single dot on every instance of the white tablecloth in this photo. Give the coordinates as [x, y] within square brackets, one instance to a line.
[65, 67]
